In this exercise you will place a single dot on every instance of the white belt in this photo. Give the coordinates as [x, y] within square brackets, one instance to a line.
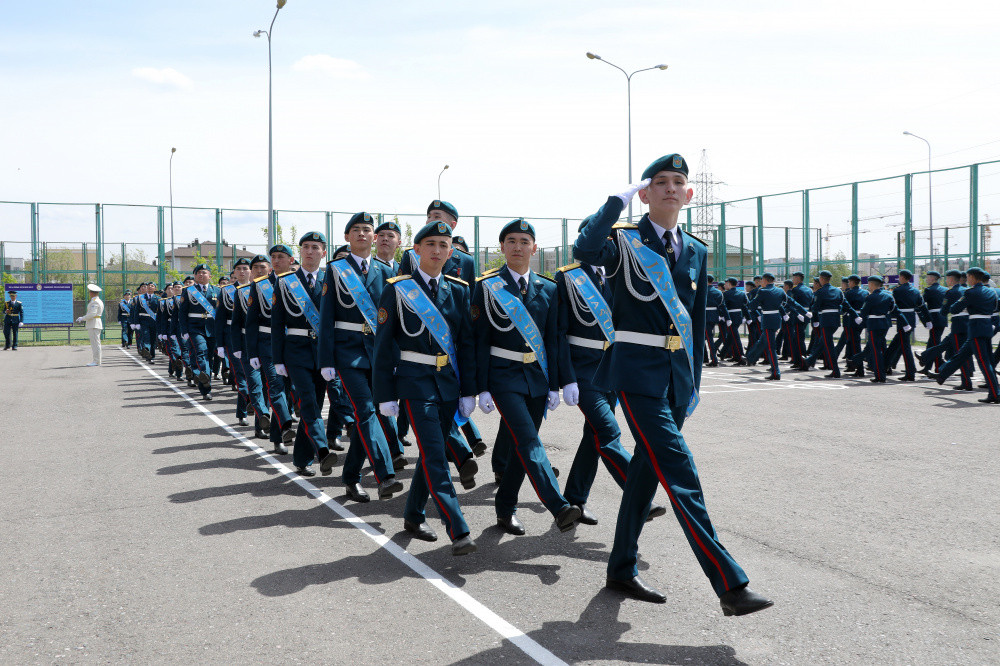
[304, 332]
[964, 314]
[876, 316]
[908, 310]
[198, 315]
[229, 322]
[713, 309]
[670, 342]
[523, 357]
[243, 331]
[736, 310]
[588, 343]
[436, 360]
[265, 329]
[835, 311]
[769, 311]
[145, 314]
[351, 326]
[980, 316]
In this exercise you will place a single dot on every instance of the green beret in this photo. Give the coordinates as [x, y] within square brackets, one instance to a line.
[435, 228]
[259, 259]
[876, 278]
[359, 218]
[343, 249]
[955, 273]
[672, 162]
[315, 236]
[826, 274]
[934, 273]
[905, 273]
[711, 278]
[388, 226]
[458, 240]
[281, 247]
[443, 206]
[768, 276]
[978, 273]
[201, 267]
[520, 225]
[799, 274]
[733, 281]
[855, 277]
[189, 277]
[788, 282]
[242, 261]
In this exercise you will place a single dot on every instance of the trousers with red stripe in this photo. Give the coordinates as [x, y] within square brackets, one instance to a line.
[367, 439]
[824, 348]
[521, 416]
[765, 345]
[982, 350]
[662, 457]
[602, 440]
[873, 353]
[310, 391]
[431, 422]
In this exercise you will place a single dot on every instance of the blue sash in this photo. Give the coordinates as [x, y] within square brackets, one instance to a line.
[347, 274]
[125, 308]
[432, 318]
[265, 293]
[595, 301]
[202, 301]
[655, 268]
[226, 295]
[297, 290]
[144, 302]
[515, 310]
[414, 260]
[243, 292]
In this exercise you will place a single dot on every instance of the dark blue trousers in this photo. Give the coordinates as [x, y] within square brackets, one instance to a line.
[255, 393]
[202, 349]
[367, 439]
[765, 345]
[901, 347]
[948, 347]
[273, 392]
[602, 440]
[982, 350]
[521, 416]
[126, 332]
[147, 335]
[874, 353]
[431, 423]
[310, 389]
[662, 457]
[824, 347]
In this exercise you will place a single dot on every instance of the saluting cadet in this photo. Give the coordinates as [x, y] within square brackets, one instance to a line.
[714, 304]
[13, 319]
[124, 310]
[934, 295]
[875, 315]
[911, 305]
[770, 302]
[804, 297]
[258, 341]
[225, 344]
[735, 302]
[197, 326]
[827, 307]
[850, 340]
[240, 350]
[424, 321]
[295, 328]
[515, 317]
[979, 302]
[352, 287]
[952, 343]
[655, 365]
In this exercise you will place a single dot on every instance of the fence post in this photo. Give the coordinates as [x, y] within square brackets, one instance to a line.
[854, 227]
[565, 258]
[124, 273]
[36, 256]
[760, 232]
[329, 227]
[946, 248]
[475, 241]
[722, 239]
[218, 238]
[99, 254]
[908, 233]
[805, 233]
[688, 229]
[974, 258]
[160, 253]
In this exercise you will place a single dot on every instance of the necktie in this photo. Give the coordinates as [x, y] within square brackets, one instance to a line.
[434, 288]
[364, 267]
[523, 284]
[600, 276]
[309, 280]
[668, 243]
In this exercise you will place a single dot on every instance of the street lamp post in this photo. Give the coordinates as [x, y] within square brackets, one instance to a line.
[930, 193]
[628, 80]
[173, 259]
[271, 231]
[439, 180]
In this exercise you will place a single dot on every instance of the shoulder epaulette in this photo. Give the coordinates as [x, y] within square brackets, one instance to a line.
[686, 233]
[263, 277]
[567, 267]
[490, 272]
[458, 250]
[398, 278]
[380, 259]
[281, 275]
[456, 279]
[625, 225]
[243, 286]
[545, 277]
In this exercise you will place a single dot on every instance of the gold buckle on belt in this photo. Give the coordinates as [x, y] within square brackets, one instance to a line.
[366, 329]
[529, 357]
[442, 361]
[673, 343]
[607, 343]
[312, 334]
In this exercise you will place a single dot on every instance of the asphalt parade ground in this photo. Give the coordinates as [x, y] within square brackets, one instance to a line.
[138, 526]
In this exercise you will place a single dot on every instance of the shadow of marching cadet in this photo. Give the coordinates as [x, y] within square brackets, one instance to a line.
[596, 637]
[317, 516]
[278, 487]
[210, 430]
[952, 398]
[367, 569]
[229, 443]
[255, 463]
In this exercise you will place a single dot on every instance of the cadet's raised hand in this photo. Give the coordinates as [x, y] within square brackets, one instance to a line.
[627, 195]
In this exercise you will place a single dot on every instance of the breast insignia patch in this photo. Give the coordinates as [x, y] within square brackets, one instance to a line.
[382, 315]
[475, 312]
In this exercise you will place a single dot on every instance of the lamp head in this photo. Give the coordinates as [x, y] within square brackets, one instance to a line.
[593, 56]
[258, 33]
[445, 167]
[281, 3]
[661, 67]
[907, 133]
[173, 150]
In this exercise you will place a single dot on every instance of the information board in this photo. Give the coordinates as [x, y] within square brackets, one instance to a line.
[44, 304]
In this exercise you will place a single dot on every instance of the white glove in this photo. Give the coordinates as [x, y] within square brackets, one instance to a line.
[785, 317]
[800, 317]
[809, 314]
[279, 368]
[553, 401]
[388, 408]
[907, 328]
[220, 352]
[329, 374]
[255, 363]
[571, 394]
[135, 327]
[858, 320]
[486, 402]
[929, 325]
[815, 324]
[163, 337]
[238, 354]
[466, 406]
[185, 337]
[79, 320]
[21, 325]
[627, 195]
[173, 337]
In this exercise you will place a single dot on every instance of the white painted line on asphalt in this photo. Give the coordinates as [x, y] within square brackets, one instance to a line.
[462, 598]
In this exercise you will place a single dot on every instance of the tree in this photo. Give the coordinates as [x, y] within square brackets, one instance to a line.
[840, 267]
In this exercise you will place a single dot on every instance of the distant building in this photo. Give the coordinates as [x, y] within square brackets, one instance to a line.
[186, 255]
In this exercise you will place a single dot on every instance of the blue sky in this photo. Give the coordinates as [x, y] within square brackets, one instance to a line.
[372, 99]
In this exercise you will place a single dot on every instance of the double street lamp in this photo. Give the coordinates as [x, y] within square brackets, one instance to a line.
[173, 259]
[271, 231]
[930, 194]
[628, 79]
[439, 180]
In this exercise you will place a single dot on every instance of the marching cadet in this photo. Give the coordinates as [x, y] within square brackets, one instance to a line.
[875, 315]
[655, 366]
[735, 302]
[240, 351]
[387, 239]
[713, 305]
[979, 302]
[515, 319]
[458, 242]
[258, 341]
[351, 288]
[175, 352]
[424, 321]
[144, 318]
[752, 318]
[225, 345]
[827, 307]
[934, 295]
[910, 304]
[124, 310]
[804, 297]
[13, 320]
[785, 335]
[586, 330]
[197, 325]
[952, 343]
[295, 329]
[850, 340]
[770, 302]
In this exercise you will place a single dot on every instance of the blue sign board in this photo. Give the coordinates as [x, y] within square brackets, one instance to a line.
[44, 304]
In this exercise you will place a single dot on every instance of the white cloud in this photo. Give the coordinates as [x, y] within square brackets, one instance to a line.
[338, 68]
[167, 76]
